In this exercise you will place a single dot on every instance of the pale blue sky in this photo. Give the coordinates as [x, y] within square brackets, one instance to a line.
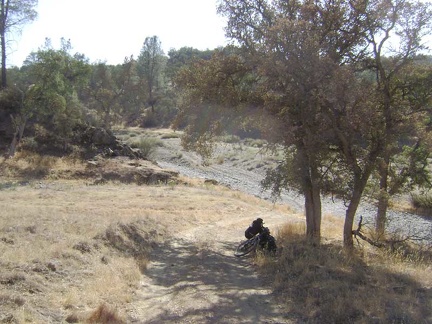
[109, 30]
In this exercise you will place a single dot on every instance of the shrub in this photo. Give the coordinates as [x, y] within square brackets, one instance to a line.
[230, 139]
[422, 203]
[103, 314]
[29, 143]
[146, 145]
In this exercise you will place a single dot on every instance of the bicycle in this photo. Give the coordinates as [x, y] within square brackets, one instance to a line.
[263, 240]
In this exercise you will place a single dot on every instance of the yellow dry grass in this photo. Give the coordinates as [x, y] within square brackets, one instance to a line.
[69, 250]
[326, 284]
[66, 247]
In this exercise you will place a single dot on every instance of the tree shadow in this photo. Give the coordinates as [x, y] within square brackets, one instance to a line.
[321, 284]
[222, 287]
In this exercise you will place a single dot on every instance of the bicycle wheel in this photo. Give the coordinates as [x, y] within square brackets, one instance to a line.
[245, 247]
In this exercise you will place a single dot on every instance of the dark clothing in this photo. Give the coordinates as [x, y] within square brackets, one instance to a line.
[266, 241]
[254, 229]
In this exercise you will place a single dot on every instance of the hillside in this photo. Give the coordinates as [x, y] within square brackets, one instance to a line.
[78, 244]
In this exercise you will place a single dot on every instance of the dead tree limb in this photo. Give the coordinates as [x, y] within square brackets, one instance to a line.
[358, 233]
[391, 244]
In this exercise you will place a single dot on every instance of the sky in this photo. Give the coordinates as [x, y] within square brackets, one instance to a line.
[109, 30]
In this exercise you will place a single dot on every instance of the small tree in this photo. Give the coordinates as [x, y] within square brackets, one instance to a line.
[401, 95]
[107, 86]
[56, 75]
[150, 65]
[13, 15]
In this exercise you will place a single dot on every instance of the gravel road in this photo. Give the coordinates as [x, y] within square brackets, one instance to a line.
[239, 177]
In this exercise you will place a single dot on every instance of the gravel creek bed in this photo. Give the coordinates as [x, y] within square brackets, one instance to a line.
[240, 178]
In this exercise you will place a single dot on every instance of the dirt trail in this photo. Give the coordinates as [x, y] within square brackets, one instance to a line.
[195, 278]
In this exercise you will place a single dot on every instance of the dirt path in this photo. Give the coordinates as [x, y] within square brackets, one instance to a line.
[194, 278]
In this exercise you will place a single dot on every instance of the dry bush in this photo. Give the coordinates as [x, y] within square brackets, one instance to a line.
[142, 262]
[147, 145]
[325, 284]
[31, 165]
[106, 315]
[422, 204]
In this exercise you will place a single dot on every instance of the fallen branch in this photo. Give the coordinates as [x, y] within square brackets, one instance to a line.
[358, 233]
[380, 244]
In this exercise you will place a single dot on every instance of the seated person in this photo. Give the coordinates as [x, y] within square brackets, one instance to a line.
[255, 228]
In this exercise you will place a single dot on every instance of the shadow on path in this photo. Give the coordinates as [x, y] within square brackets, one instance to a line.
[190, 284]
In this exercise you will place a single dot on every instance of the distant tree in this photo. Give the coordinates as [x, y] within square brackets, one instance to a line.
[183, 56]
[55, 77]
[151, 61]
[213, 94]
[403, 164]
[13, 15]
[133, 100]
[13, 107]
[107, 86]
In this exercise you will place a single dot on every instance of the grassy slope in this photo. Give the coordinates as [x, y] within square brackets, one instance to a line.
[68, 247]
[61, 242]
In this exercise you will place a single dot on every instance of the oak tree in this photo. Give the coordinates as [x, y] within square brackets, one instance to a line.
[308, 70]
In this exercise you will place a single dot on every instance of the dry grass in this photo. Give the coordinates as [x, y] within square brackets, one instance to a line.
[324, 284]
[104, 314]
[68, 247]
[29, 165]
[55, 251]
[61, 242]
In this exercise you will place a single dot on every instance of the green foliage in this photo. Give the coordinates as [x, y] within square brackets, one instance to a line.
[177, 59]
[147, 145]
[55, 77]
[112, 92]
[10, 101]
[422, 202]
[151, 62]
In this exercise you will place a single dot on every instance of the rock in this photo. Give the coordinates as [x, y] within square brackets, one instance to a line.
[52, 266]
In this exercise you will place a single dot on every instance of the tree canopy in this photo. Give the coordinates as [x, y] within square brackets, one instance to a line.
[313, 71]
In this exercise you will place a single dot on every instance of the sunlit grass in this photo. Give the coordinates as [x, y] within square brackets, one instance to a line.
[64, 240]
[67, 239]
